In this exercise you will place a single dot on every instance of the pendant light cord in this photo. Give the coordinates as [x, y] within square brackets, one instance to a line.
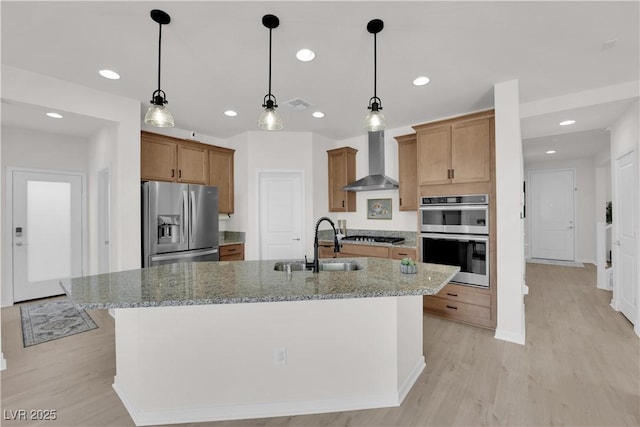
[270, 31]
[375, 64]
[159, 52]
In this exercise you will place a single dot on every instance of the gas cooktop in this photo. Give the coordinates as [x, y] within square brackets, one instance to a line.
[376, 239]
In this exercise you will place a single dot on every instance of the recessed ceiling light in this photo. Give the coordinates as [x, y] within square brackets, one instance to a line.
[567, 122]
[421, 81]
[551, 151]
[305, 55]
[230, 113]
[318, 114]
[109, 74]
[54, 115]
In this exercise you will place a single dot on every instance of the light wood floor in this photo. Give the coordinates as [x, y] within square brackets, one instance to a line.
[580, 367]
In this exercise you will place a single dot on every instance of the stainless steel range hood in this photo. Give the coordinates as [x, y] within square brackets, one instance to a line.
[376, 180]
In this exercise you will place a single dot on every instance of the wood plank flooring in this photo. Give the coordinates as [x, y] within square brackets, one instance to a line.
[579, 367]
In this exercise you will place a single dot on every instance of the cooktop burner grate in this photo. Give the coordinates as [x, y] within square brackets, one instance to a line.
[376, 239]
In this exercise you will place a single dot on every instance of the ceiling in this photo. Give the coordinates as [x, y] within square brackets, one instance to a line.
[215, 57]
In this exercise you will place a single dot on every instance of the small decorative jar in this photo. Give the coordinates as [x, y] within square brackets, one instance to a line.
[408, 269]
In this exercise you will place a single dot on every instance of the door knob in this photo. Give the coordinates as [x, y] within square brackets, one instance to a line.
[297, 238]
[617, 243]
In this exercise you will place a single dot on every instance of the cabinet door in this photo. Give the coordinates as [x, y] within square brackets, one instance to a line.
[192, 164]
[349, 250]
[342, 170]
[221, 175]
[434, 155]
[471, 151]
[408, 175]
[157, 159]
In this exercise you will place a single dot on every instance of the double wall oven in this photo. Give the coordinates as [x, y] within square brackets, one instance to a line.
[454, 230]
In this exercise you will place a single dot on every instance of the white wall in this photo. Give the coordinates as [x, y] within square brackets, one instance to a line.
[124, 113]
[585, 175]
[510, 248]
[22, 148]
[625, 137]
[602, 162]
[401, 221]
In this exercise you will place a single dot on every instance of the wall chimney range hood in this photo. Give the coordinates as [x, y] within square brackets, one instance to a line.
[376, 180]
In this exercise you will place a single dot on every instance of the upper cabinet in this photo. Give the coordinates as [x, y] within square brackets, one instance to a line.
[164, 158]
[408, 172]
[342, 171]
[455, 151]
[221, 175]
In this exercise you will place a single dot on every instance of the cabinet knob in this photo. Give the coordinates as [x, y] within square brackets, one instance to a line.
[343, 203]
[452, 307]
[173, 173]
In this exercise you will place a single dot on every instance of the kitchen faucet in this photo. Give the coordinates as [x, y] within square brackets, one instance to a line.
[336, 245]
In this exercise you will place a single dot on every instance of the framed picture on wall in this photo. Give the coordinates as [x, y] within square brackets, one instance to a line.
[378, 208]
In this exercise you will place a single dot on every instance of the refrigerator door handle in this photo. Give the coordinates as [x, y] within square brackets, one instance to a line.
[185, 216]
[193, 216]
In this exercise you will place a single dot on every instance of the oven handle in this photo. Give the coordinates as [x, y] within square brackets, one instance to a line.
[458, 237]
[454, 207]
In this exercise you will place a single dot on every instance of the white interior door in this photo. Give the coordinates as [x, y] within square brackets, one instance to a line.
[281, 215]
[552, 218]
[46, 232]
[624, 226]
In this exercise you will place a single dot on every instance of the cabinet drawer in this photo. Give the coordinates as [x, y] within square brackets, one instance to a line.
[460, 293]
[326, 251]
[235, 249]
[399, 253]
[233, 257]
[457, 310]
[348, 250]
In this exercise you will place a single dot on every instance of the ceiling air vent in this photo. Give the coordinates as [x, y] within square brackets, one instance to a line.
[297, 104]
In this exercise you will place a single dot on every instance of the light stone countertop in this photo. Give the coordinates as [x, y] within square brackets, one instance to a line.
[234, 282]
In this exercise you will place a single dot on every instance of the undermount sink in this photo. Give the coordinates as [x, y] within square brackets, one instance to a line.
[324, 266]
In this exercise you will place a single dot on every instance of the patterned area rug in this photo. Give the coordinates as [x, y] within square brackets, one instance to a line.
[52, 320]
[556, 262]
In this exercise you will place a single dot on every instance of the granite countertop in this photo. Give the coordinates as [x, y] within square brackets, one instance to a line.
[236, 282]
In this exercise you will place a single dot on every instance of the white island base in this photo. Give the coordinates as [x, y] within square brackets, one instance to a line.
[237, 361]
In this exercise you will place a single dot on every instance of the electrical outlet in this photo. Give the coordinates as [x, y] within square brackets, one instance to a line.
[280, 356]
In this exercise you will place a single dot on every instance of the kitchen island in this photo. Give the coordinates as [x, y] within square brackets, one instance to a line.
[234, 340]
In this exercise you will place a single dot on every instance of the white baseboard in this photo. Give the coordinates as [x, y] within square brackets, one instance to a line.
[257, 410]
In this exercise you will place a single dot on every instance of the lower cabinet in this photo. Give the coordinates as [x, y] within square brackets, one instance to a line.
[234, 252]
[325, 250]
[462, 303]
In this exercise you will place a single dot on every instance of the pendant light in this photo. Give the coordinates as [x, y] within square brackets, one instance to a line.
[374, 121]
[158, 115]
[270, 119]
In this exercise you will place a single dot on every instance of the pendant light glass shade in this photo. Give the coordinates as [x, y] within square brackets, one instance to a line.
[375, 121]
[158, 115]
[270, 119]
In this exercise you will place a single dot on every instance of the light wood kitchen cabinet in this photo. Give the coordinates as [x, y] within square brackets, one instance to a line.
[400, 253]
[192, 164]
[325, 250]
[342, 171]
[233, 252]
[455, 151]
[464, 304]
[221, 175]
[164, 158]
[158, 158]
[408, 172]
[349, 250]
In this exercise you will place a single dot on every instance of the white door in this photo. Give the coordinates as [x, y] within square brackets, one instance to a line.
[46, 231]
[552, 223]
[624, 228]
[281, 215]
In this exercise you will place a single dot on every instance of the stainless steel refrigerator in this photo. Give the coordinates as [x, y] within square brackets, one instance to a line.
[179, 223]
